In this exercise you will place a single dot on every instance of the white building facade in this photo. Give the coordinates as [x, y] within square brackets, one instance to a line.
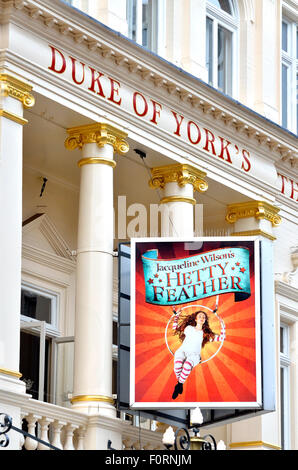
[98, 101]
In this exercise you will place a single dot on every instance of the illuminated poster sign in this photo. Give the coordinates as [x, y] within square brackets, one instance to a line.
[195, 323]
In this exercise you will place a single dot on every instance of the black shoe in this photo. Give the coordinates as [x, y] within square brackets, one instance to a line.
[177, 390]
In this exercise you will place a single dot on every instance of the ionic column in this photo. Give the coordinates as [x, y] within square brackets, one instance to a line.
[253, 218]
[259, 218]
[94, 284]
[178, 183]
[15, 95]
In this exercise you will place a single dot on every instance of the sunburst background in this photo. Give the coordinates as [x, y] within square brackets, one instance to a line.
[230, 376]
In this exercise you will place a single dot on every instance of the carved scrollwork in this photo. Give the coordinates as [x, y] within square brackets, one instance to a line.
[101, 134]
[178, 173]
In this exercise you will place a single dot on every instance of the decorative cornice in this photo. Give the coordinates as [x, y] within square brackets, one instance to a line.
[99, 133]
[16, 88]
[178, 173]
[257, 209]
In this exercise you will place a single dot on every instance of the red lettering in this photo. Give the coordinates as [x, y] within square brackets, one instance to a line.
[236, 282]
[210, 138]
[283, 178]
[189, 132]
[178, 123]
[224, 150]
[176, 278]
[53, 65]
[293, 189]
[96, 81]
[246, 166]
[156, 112]
[73, 73]
[141, 114]
[115, 85]
[157, 293]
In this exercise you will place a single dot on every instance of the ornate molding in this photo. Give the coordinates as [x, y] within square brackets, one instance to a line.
[178, 173]
[13, 117]
[100, 398]
[10, 372]
[257, 209]
[16, 88]
[188, 200]
[99, 133]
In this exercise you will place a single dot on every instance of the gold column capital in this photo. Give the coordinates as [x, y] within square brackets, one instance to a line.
[179, 173]
[99, 133]
[257, 209]
[16, 88]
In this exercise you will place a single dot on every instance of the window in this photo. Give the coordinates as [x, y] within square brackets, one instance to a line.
[143, 17]
[221, 57]
[289, 75]
[38, 326]
[285, 385]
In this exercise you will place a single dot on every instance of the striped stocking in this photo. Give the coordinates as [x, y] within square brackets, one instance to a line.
[178, 368]
[186, 370]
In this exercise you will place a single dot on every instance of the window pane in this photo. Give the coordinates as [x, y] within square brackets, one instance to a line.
[145, 23]
[284, 36]
[284, 96]
[36, 306]
[224, 65]
[282, 340]
[297, 104]
[209, 49]
[222, 4]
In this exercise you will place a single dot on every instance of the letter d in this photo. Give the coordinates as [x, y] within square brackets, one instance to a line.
[53, 65]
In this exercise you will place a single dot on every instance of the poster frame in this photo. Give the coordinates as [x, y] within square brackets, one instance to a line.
[254, 405]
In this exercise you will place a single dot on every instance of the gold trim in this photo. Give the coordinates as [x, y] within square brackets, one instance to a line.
[13, 117]
[190, 200]
[99, 133]
[10, 372]
[254, 444]
[101, 398]
[251, 233]
[179, 173]
[257, 209]
[16, 88]
[98, 160]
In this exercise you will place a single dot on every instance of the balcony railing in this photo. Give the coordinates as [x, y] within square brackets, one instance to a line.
[67, 429]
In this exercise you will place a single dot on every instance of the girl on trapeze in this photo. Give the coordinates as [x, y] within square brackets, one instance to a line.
[194, 332]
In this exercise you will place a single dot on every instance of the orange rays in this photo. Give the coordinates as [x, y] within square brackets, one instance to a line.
[227, 372]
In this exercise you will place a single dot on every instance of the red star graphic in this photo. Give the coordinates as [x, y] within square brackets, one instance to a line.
[237, 264]
[242, 270]
[233, 269]
[160, 280]
[156, 275]
[150, 281]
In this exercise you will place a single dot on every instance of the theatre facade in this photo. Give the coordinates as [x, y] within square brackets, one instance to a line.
[103, 141]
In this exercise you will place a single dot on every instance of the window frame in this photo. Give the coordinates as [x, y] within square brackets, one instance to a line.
[156, 39]
[229, 22]
[285, 385]
[290, 61]
[52, 327]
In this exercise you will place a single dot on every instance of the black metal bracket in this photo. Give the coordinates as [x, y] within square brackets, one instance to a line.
[109, 447]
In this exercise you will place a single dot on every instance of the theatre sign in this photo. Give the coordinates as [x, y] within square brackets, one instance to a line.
[196, 323]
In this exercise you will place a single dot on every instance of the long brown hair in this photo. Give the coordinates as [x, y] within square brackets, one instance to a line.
[190, 320]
